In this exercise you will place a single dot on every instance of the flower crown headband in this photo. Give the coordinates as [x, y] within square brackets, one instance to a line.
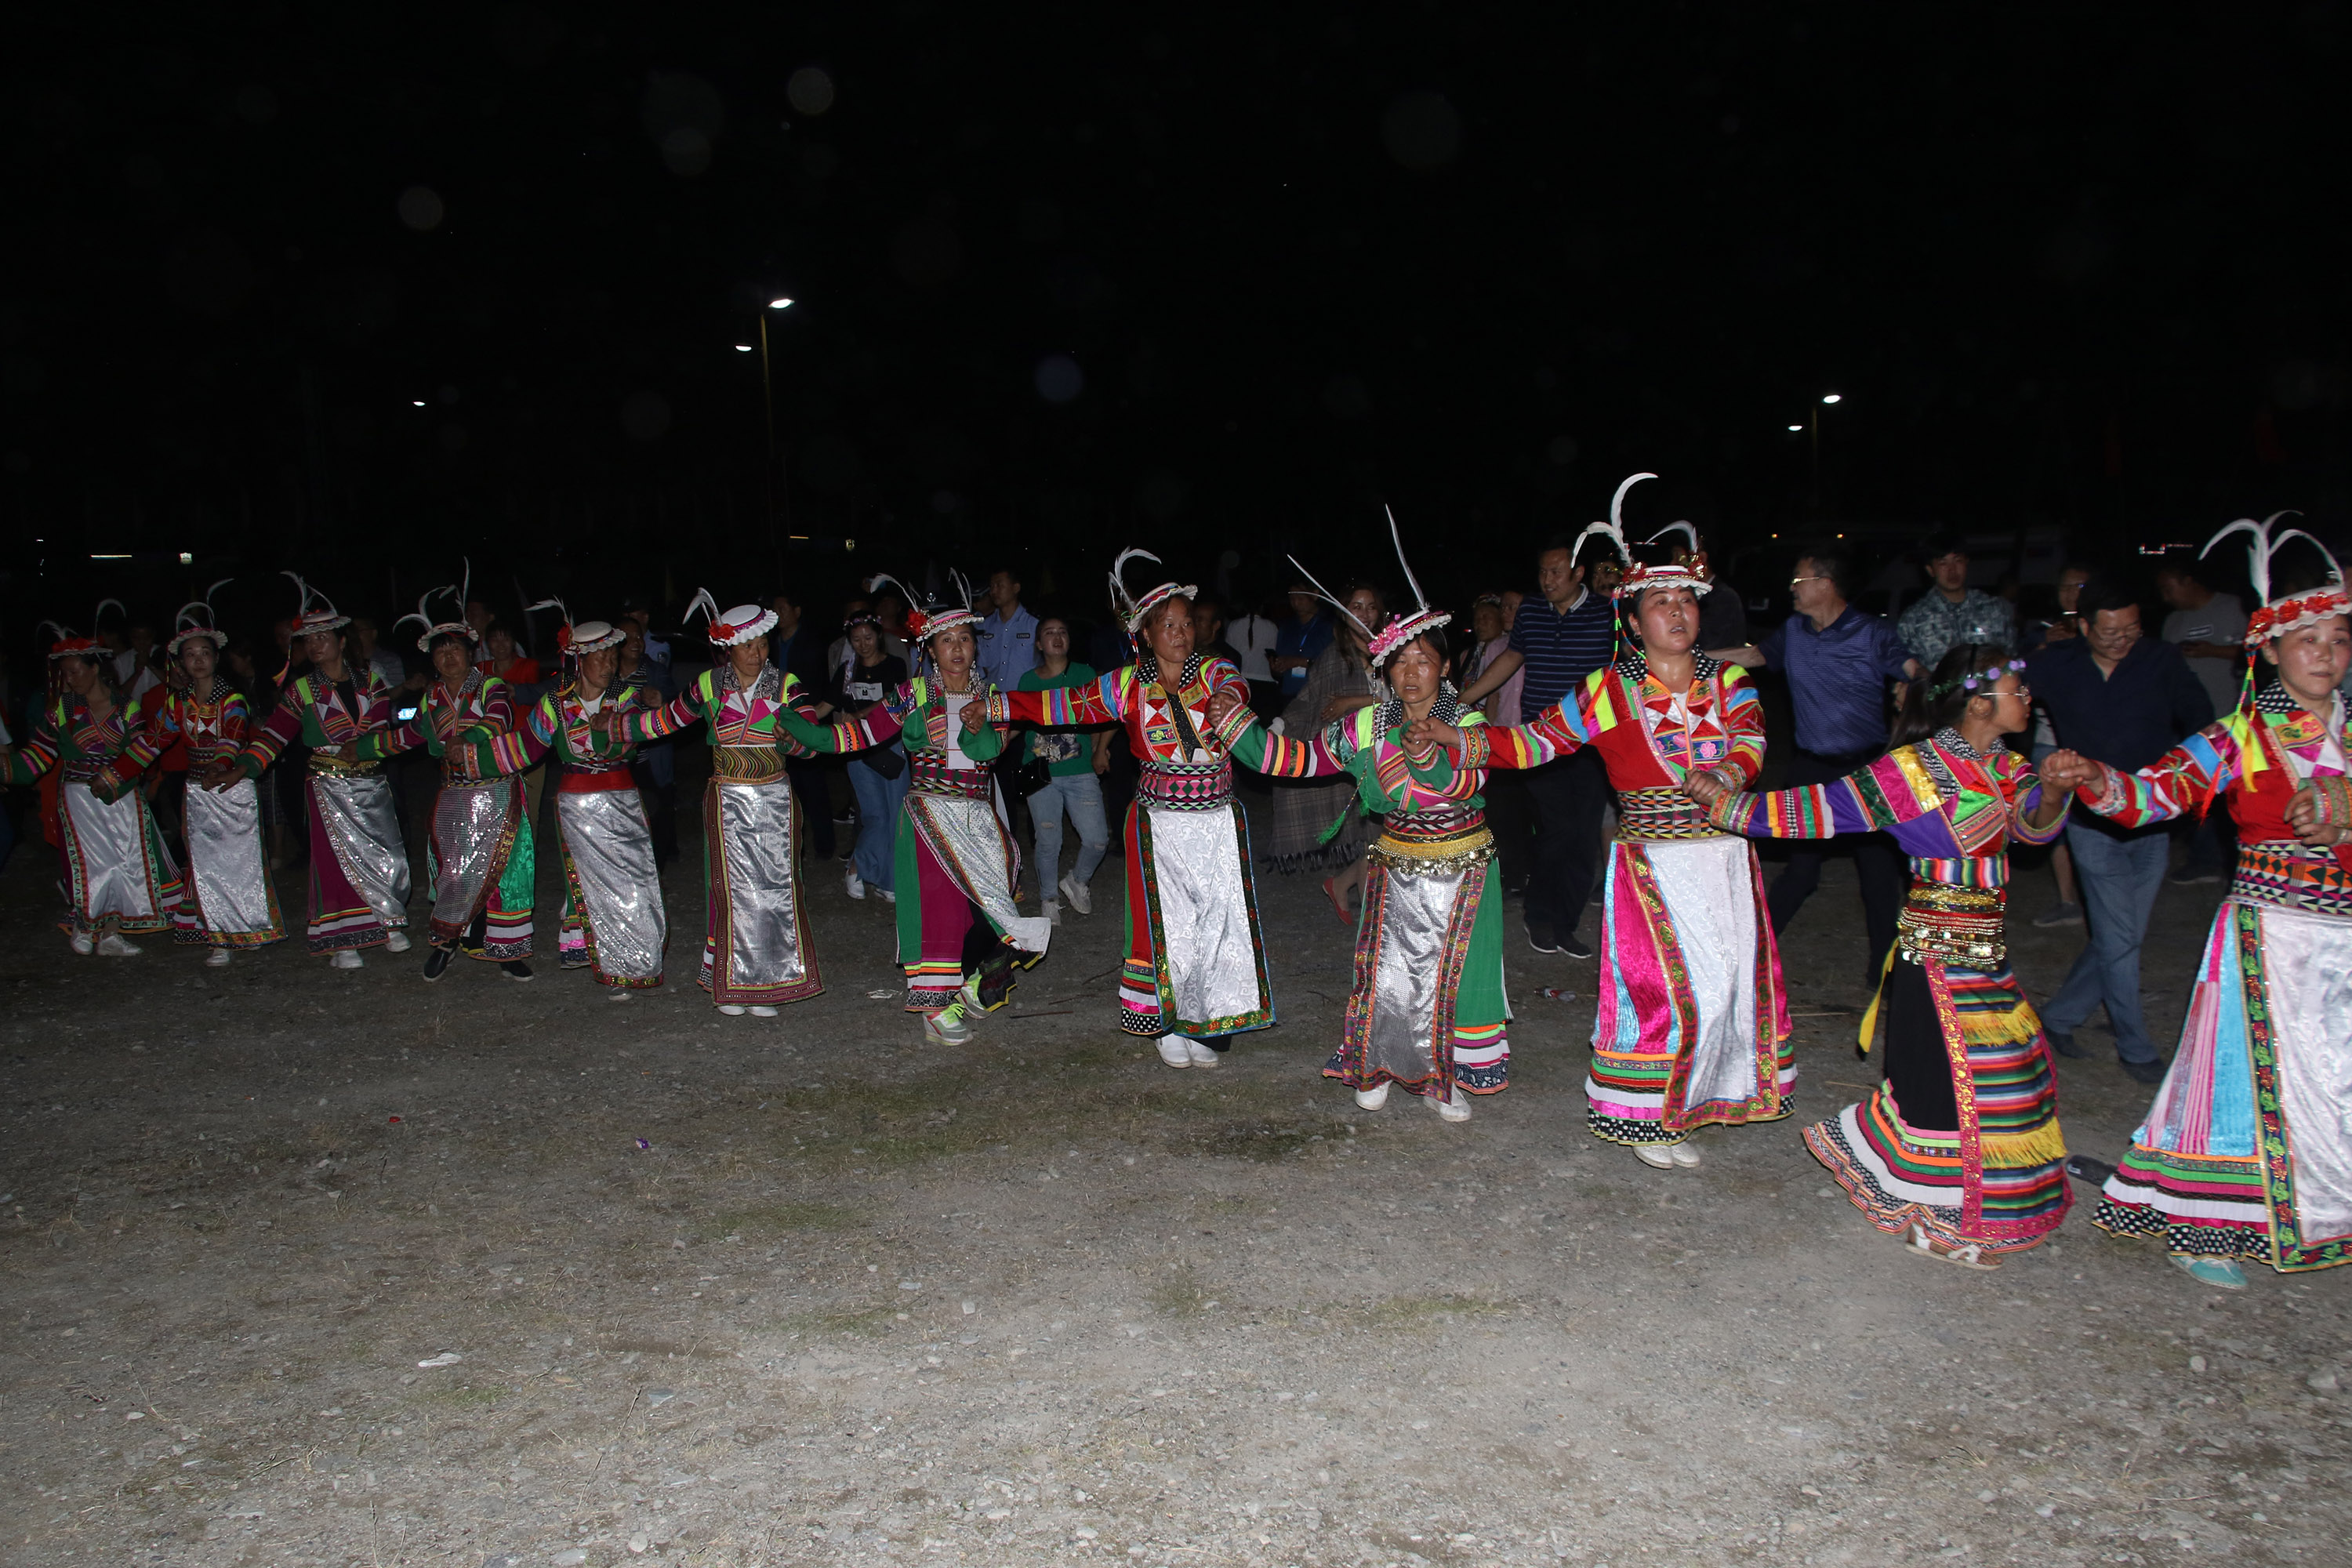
[1988, 678]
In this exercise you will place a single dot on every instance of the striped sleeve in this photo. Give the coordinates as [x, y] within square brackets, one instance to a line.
[1891, 791]
[2182, 783]
[1743, 721]
[1567, 726]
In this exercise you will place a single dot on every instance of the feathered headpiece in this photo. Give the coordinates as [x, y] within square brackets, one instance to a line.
[924, 623]
[185, 626]
[588, 636]
[67, 644]
[2277, 617]
[1640, 576]
[460, 591]
[737, 626]
[1135, 611]
[1403, 628]
[308, 620]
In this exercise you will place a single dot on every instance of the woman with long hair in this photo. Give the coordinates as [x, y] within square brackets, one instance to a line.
[1693, 1025]
[2247, 1152]
[1427, 1010]
[757, 951]
[961, 935]
[359, 866]
[118, 875]
[613, 924]
[231, 901]
[1195, 971]
[481, 856]
[1958, 1151]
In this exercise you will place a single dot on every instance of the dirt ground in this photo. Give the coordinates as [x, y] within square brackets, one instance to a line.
[812, 1291]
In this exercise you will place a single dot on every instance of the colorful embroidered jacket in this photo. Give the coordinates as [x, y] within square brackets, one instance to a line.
[1952, 808]
[2260, 760]
[747, 742]
[587, 759]
[915, 710]
[318, 714]
[65, 737]
[1368, 746]
[215, 728]
[1718, 722]
[1185, 761]
[451, 725]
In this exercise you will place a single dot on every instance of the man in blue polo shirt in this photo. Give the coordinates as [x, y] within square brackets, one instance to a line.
[1838, 660]
[1559, 638]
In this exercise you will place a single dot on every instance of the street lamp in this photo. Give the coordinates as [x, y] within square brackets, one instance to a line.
[767, 411]
[1828, 400]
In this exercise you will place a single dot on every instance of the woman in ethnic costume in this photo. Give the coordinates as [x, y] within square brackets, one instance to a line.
[231, 901]
[756, 950]
[1958, 1152]
[1314, 825]
[359, 866]
[2247, 1152]
[118, 876]
[960, 932]
[1195, 970]
[1427, 1010]
[614, 924]
[480, 854]
[1693, 1024]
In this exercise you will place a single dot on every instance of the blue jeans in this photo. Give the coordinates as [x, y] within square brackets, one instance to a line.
[1080, 794]
[877, 820]
[2119, 878]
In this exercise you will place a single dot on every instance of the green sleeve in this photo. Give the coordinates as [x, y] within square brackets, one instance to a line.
[815, 737]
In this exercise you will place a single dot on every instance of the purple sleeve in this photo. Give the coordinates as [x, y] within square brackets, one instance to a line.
[1775, 648]
[1892, 653]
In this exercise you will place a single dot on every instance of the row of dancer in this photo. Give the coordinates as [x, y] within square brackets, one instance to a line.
[1958, 1151]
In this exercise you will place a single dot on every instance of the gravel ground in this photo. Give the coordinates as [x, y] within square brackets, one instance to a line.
[344, 1268]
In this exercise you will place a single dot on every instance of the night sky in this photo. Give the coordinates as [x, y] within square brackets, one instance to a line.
[1203, 280]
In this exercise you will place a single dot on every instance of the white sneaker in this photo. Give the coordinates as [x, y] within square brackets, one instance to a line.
[763, 1012]
[216, 959]
[853, 884]
[1454, 1107]
[114, 944]
[1051, 910]
[1201, 1055]
[1079, 896]
[1372, 1098]
[888, 897]
[616, 993]
[1686, 1156]
[949, 1025]
[84, 943]
[346, 958]
[395, 940]
[732, 1009]
[1657, 1156]
[1175, 1051]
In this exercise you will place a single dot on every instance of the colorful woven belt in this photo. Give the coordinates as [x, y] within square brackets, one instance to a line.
[1646, 815]
[1958, 925]
[1203, 786]
[930, 775]
[1419, 843]
[2288, 875]
[746, 764]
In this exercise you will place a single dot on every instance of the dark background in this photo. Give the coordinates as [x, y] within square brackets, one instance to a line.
[2068, 269]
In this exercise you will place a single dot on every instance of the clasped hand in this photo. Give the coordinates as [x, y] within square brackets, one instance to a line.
[2303, 816]
[1707, 786]
[2068, 771]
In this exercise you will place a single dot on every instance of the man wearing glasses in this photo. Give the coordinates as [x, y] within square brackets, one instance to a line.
[1838, 660]
[2125, 700]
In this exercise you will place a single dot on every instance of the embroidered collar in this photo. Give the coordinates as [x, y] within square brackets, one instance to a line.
[769, 683]
[1636, 668]
[1445, 710]
[1949, 738]
[1147, 669]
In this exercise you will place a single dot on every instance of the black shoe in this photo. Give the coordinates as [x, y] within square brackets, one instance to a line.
[2083, 1168]
[1542, 939]
[1575, 947]
[2191, 876]
[515, 969]
[436, 962]
[2149, 1071]
[2063, 1042]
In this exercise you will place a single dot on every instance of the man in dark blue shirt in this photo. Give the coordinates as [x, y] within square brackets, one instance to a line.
[1838, 660]
[2124, 700]
[1559, 638]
